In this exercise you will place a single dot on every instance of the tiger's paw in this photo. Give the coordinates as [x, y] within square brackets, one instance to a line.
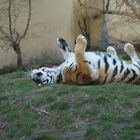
[81, 43]
[130, 50]
[111, 50]
[62, 44]
[128, 47]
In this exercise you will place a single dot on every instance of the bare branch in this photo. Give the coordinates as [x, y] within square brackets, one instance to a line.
[10, 20]
[8, 28]
[80, 26]
[103, 5]
[132, 15]
[107, 5]
[130, 6]
[15, 17]
[28, 22]
[80, 3]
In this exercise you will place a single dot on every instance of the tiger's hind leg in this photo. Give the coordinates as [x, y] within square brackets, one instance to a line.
[130, 50]
[134, 66]
[64, 48]
[86, 72]
[112, 51]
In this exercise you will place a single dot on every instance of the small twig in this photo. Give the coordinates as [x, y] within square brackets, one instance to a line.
[3, 125]
[44, 111]
[41, 112]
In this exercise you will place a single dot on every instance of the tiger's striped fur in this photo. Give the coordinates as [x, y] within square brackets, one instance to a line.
[82, 67]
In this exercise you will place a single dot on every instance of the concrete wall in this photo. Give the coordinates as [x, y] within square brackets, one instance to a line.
[124, 28]
[94, 18]
[50, 19]
[55, 18]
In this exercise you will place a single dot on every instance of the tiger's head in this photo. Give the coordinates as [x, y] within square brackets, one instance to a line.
[43, 75]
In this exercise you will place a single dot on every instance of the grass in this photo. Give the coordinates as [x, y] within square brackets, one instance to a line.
[59, 112]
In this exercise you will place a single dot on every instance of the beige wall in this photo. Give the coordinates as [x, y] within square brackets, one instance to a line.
[94, 25]
[123, 27]
[50, 19]
[55, 18]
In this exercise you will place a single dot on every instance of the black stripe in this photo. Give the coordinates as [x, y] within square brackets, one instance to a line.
[75, 68]
[99, 63]
[125, 74]
[134, 76]
[98, 53]
[122, 67]
[136, 67]
[114, 74]
[138, 62]
[64, 44]
[87, 61]
[114, 62]
[106, 64]
[51, 77]
[105, 79]
[70, 67]
[77, 75]
[59, 78]
[108, 55]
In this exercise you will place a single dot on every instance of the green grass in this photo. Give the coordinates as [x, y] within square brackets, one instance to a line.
[59, 112]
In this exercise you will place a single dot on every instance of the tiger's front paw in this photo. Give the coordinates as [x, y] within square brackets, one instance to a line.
[81, 40]
[81, 43]
[62, 43]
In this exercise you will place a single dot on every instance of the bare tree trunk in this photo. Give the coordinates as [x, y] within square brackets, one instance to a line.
[85, 30]
[19, 59]
[17, 49]
[84, 24]
[105, 40]
[15, 41]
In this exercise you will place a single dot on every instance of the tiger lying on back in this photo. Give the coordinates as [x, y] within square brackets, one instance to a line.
[82, 67]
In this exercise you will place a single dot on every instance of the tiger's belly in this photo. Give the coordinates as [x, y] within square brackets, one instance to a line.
[74, 75]
[110, 68]
[112, 75]
[116, 73]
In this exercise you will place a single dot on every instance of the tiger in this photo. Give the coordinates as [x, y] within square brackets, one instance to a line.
[86, 67]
